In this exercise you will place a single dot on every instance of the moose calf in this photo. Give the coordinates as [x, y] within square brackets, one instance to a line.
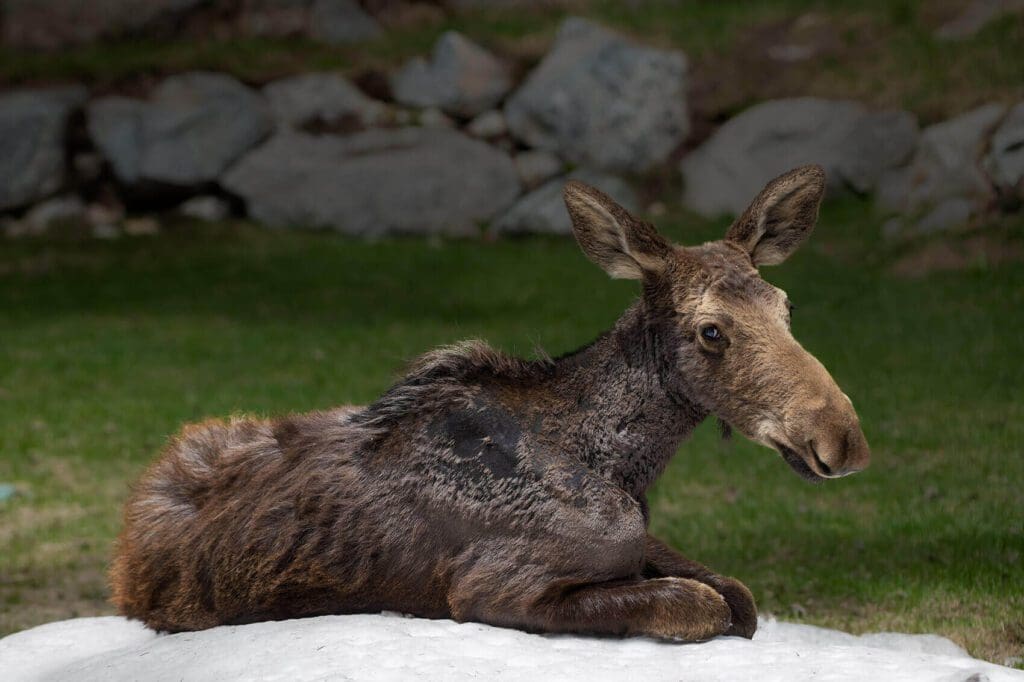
[488, 488]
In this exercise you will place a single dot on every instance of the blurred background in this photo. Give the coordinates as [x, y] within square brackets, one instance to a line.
[266, 206]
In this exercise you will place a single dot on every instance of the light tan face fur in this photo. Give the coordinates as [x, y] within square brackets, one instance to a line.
[738, 356]
[754, 375]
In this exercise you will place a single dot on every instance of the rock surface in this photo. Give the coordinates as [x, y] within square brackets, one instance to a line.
[1005, 160]
[855, 146]
[535, 166]
[55, 210]
[403, 181]
[543, 211]
[207, 208]
[488, 125]
[947, 164]
[599, 100]
[192, 128]
[321, 99]
[461, 78]
[33, 124]
[390, 647]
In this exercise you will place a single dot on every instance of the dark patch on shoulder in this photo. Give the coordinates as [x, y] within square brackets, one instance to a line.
[486, 436]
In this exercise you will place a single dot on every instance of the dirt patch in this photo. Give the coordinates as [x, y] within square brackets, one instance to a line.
[976, 251]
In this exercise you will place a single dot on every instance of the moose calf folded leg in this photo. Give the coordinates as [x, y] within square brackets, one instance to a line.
[672, 608]
[660, 560]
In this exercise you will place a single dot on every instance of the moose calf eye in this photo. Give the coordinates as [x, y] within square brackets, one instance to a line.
[711, 333]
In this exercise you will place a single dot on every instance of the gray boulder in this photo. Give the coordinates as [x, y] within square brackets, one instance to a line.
[944, 216]
[194, 126]
[536, 166]
[397, 181]
[321, 98]
[434, 118]
[207, 208]
[543, 211]
[462, 78]
[55, 210]
[856, 147]
[947, 164]
[1005, 160]
[488, 125]
[57, 23]
[599, 100]
[33, 124]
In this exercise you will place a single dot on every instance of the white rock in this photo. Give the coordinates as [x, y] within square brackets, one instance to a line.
[207, 208]
[55, 210]
[390, 647]
[488, 125]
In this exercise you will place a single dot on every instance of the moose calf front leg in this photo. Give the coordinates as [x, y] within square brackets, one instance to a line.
[670, 608]
[660, 560]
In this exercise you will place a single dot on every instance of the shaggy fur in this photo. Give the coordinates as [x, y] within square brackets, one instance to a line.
[485, 487]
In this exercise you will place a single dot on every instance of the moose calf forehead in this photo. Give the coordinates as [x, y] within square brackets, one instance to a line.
[730, 277]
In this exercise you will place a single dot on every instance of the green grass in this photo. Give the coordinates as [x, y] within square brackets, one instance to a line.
[881, 52]
[106, 348]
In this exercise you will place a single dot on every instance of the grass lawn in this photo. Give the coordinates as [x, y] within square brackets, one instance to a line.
[106, 347]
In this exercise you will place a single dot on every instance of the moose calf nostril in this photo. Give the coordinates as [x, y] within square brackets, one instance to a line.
[824, 468]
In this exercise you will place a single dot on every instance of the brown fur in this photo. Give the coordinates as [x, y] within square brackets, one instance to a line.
[484, 487]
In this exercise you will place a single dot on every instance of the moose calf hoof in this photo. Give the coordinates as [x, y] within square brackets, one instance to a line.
[741, 604]
[693, 612]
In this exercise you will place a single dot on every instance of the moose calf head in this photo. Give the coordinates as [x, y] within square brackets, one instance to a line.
[730, 349]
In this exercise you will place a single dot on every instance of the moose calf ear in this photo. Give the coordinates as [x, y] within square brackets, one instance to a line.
[781, 217]
[622, 245]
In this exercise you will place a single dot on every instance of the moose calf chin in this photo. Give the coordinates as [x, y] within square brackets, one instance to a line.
[489, 488]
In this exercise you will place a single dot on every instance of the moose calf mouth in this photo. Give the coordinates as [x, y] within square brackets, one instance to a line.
[800, 466]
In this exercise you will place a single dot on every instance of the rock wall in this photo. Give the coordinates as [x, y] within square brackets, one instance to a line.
[462, 147]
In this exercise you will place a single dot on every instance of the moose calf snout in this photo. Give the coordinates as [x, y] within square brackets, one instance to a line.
[840, 451]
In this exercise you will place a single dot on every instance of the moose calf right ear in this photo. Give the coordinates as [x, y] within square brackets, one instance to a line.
[623, 246]
[781, 217]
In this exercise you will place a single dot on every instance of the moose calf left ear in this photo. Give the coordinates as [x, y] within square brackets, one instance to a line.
[624, 247]
[781, 217]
